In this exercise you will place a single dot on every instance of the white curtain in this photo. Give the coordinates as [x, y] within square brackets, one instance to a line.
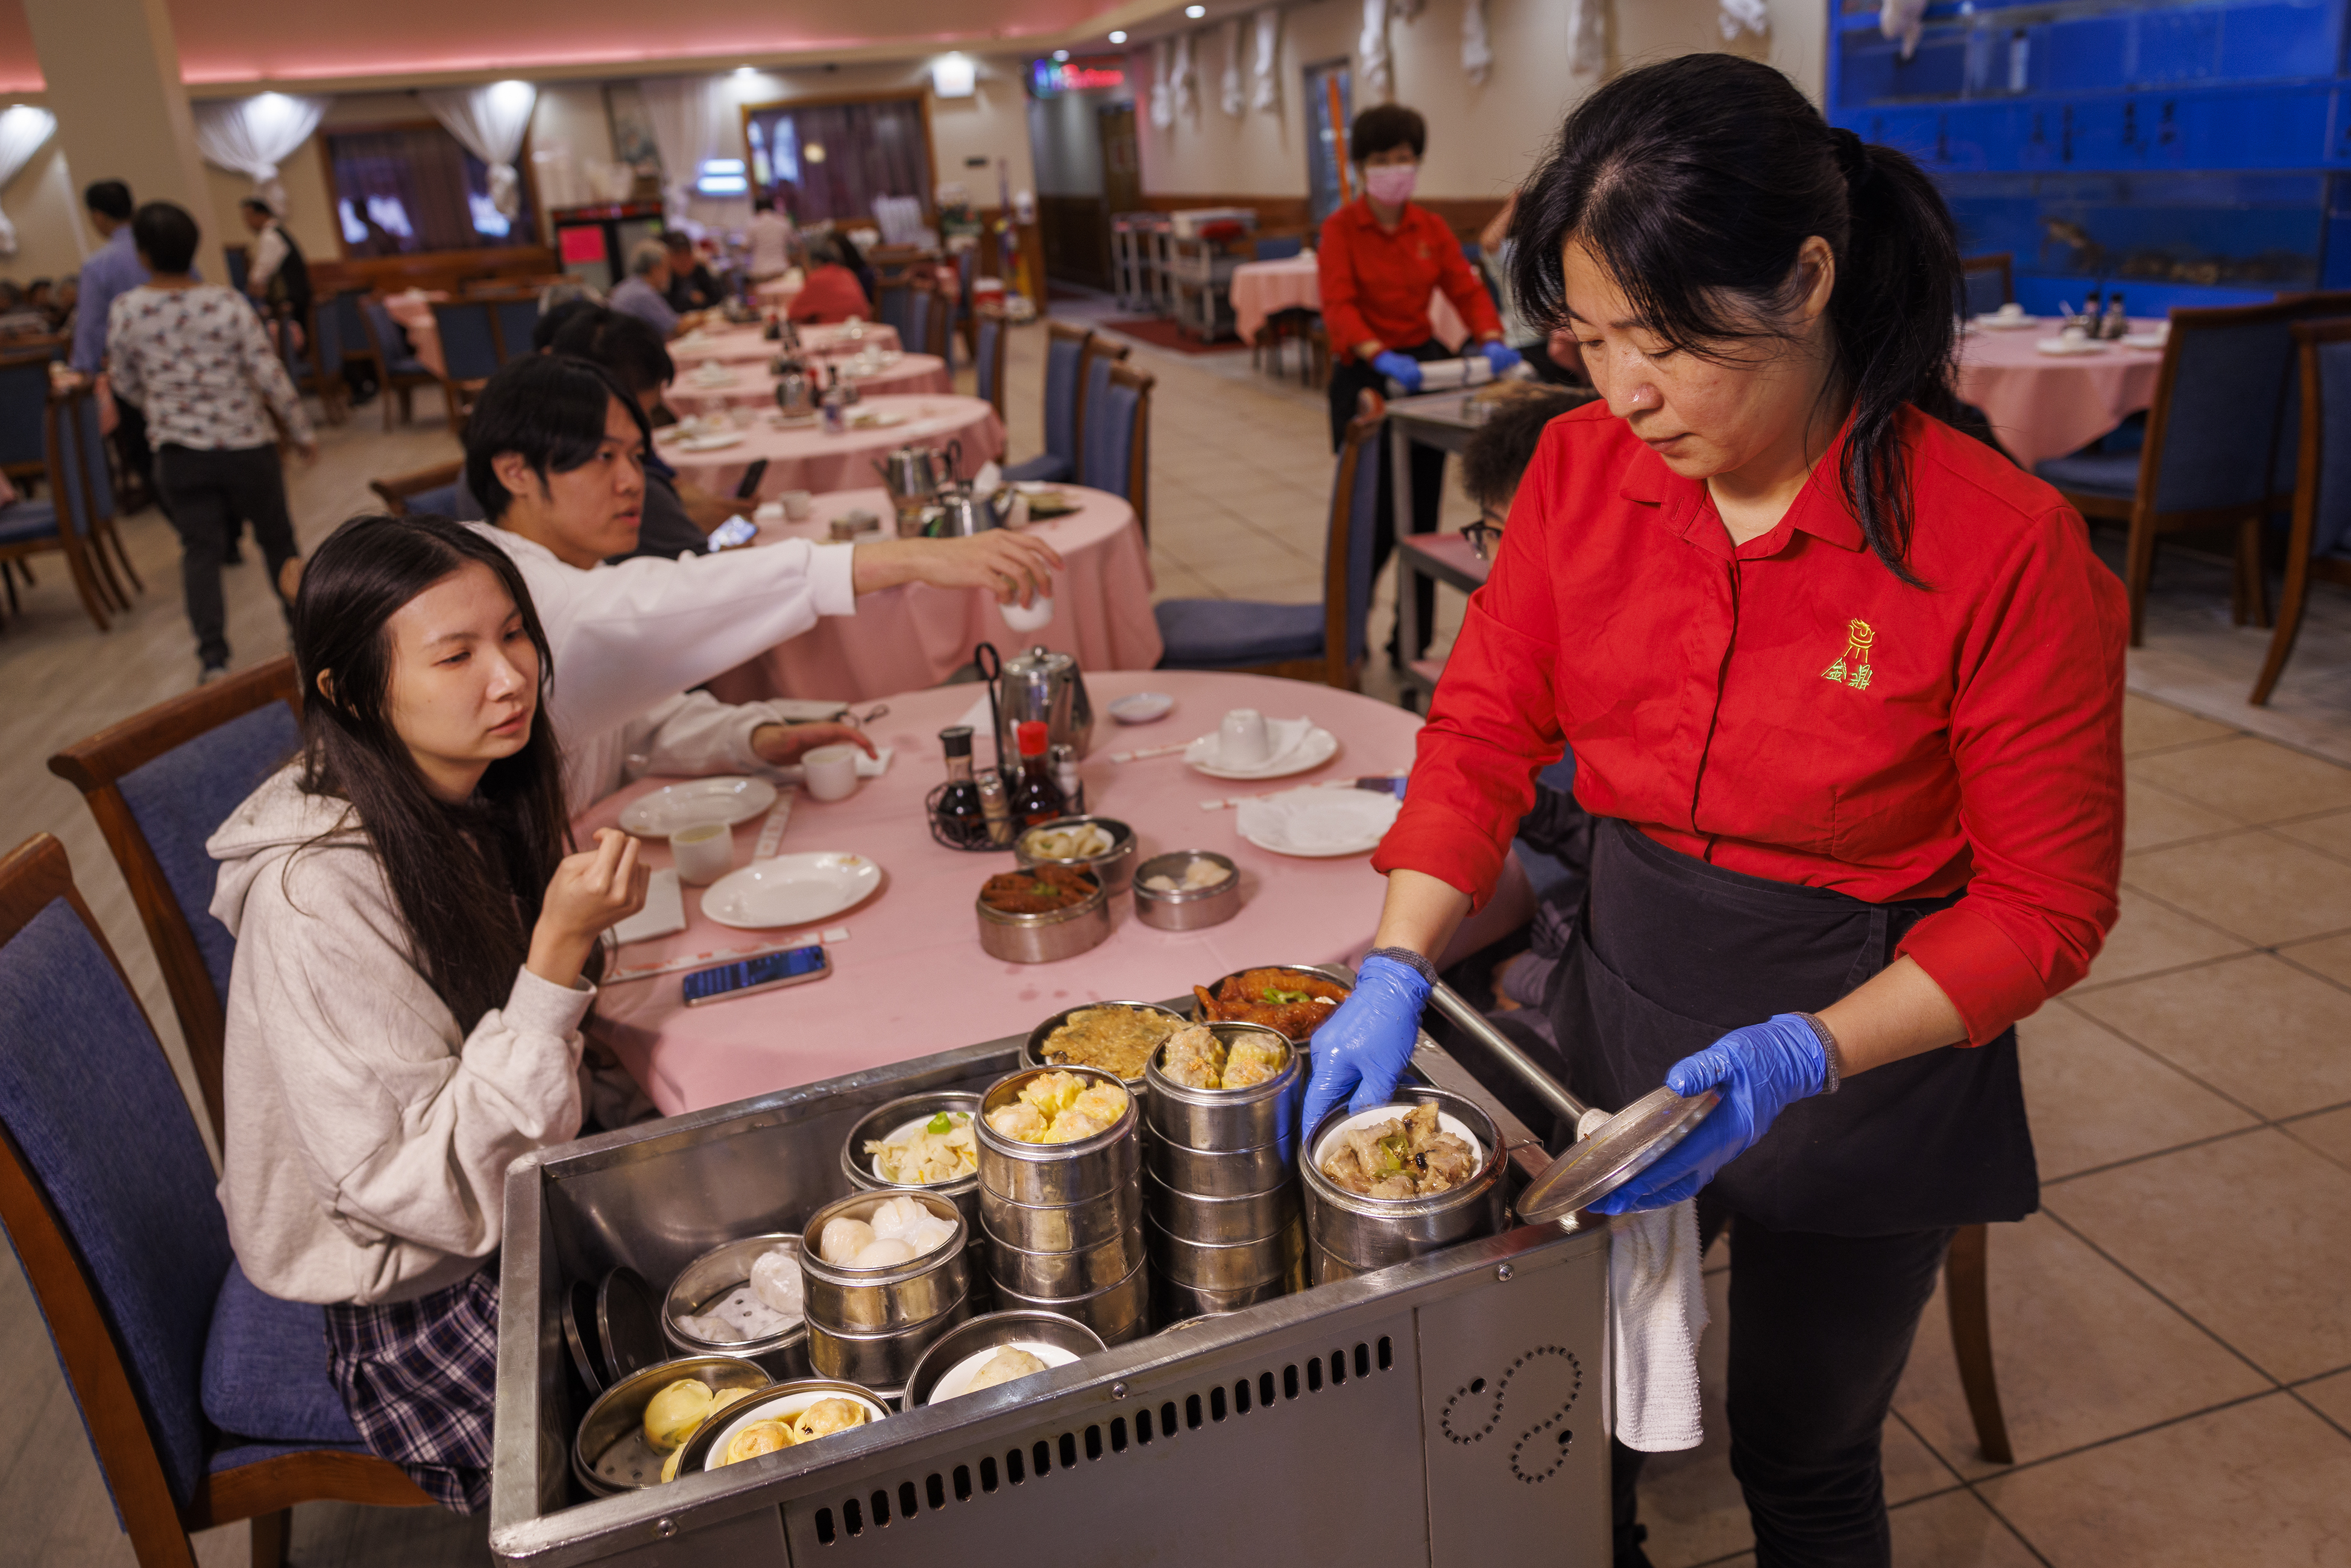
[1163, 93]
[1372, 53]
[1229, 86]
[1477, 54]
[23, 129]
[252, 136]
[693, 118]
[1265, 68]
[1183, 78]
[1587, 37]
[1739, 16]
[489, 122]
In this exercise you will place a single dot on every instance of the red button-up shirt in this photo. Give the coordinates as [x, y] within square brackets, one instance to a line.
[1791, 709]
[1376, 284]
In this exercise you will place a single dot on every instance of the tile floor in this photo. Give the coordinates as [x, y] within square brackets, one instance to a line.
[2172, 1332]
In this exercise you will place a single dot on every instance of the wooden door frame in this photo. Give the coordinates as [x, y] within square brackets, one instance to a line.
[919, 97]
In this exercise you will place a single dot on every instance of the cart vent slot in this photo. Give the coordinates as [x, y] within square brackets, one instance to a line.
[1041, 1459]
[1143, 1424]
[1216, 1403]
[1118, 1430]
[1338, 1368]
[1167, 1420]
[907, 1508]
[880, 1509]
[1265, 1388]
[1388, 1354]
[824, 1527]
[1314, 1375]
[1290, 1382]
[936, 1488]
[1362, 1360]
[1093, 1442]
[1070, 1452]
[853, 1517]
[1241, 1398]
[1192, 1413]
[1016, 1468]
[987, 1474]
[963, 1483]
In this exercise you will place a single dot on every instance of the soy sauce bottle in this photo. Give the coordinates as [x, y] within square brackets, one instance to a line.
[1035, 798]
[961, 817]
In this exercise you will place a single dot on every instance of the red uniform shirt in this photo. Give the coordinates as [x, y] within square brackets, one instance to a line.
[1791, 709]
[831, 293]
[1377, 285]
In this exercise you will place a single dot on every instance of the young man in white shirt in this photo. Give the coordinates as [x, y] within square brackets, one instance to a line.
[554, 453]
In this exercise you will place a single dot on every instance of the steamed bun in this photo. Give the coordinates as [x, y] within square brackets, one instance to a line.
[1003, 1366]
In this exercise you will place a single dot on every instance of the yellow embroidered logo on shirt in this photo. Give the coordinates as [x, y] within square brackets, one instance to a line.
[1858, 636]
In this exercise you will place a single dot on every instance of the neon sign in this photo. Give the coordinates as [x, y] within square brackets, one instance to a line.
[1051, 79]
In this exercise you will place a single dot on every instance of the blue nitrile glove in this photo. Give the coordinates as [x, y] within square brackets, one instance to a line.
[1363, 1049]
[1401, 369]
[1501, 357]
[1758, 1071]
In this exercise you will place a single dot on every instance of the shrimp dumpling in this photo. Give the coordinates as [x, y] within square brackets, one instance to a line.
[929, 1235]
[883, 1253]
[843, 1240]
[776, 1280]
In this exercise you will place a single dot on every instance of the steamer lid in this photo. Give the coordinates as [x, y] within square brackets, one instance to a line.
[1633, 1140]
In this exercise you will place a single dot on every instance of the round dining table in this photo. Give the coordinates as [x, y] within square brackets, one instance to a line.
[1258, 289]
[721, 383]
[2046, 406]
[908, 975]
[915, 635]
[751, 344]
[805, 458]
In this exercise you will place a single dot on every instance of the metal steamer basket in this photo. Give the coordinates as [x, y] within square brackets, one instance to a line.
[716, 1274]
[870, 1326]
[1114, 868]
[1221, 1195]
[1064, 1221]
[1349, 1235]
[610, 1454]
[1454, 1396]
[1047, 937]
[1032, 1053]
[857, 1167]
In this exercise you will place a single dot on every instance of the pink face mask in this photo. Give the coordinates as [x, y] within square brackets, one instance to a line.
[1391, 183]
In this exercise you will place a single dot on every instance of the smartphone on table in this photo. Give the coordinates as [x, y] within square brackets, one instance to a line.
[793, 967]
[732, 534]
[749, 487]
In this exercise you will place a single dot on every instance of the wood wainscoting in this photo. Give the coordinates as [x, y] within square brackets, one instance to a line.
[1282, 216]
[438, 269]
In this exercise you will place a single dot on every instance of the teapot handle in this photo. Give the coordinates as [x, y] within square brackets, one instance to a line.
[990, 665]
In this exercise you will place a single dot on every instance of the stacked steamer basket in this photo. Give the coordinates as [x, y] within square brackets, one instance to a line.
[1064, 1221]
[1221, 1184]
[1349, 1234]
[869, 1326]
[863, 1170]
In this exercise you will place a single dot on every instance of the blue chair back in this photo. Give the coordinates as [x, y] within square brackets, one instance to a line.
[1355, 500]
[990, 333]
[327, 338]
[240, 267]
[24, 404]
[397, 355]
[181, 799]
[1983, 291]
[69, 482]
[1097, 391]
[517, 320]
[2221, 433]
[1113, 425]
[1279, 249]
[893, 300]
[2331, 530]
[89, 489]
[351, 322]
[914, 332]
[94, 1113]
[468, 350]
[966, 266]
[1062, 356]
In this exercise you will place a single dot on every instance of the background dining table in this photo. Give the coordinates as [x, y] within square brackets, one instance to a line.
[2046, 406]
[723, 384]
[910, 977]
[914, 635]
[750, 344]
[1258, 289]
[804, 458]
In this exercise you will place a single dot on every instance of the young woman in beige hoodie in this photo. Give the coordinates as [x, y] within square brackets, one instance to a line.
[414, 955]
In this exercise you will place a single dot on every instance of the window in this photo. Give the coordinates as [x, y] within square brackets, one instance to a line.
[827, 160]
[408, 188]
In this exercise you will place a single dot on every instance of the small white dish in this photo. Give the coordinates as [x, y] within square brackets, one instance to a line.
[1141, 707]
[785, 1409]
[2005, 321]
[791, 890]
[711, 442]
[1317, 823]
[726, 802]
[2145, 340]
[1299, 744]
[2069, 347]
[956, 1382]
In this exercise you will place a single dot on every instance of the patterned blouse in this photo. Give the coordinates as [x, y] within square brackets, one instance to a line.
[198, 362]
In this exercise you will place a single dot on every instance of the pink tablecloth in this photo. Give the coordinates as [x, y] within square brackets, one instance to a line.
[806, 458]
[751, 345]
[1261, 287]
[904, 638]
[2044, 405]
[750, 385]
[414, 311]
[778, 292]
[911, 978]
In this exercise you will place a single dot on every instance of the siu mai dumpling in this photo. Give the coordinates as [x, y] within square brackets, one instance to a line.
[1104, 1103]
[1020, 1121]
[1193, 1057]
[1252, 1062]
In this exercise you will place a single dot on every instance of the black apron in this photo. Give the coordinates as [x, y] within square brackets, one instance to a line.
[1673, 953]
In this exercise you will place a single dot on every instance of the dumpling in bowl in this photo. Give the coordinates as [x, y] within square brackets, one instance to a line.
[759, 1437]
[776, 1280]
[1005, 1366]
[1019, 1121]
[826, 1416]
[843, 1240]
[1252, 1062]
[1104, 1103]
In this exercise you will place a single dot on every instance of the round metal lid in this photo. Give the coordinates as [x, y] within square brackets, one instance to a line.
[628, 1322]
[1632, 1142]
[578, 1327]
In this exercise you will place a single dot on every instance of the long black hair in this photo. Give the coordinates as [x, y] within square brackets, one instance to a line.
[1695, 182]
[468, 879]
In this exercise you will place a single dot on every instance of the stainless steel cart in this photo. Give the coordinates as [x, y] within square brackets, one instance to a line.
[1448, 1410]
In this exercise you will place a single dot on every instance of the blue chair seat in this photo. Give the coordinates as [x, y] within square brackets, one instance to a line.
[1226, 634]
[440, 503]
[237, 1457]
[2114, 473]
[22, 520]
[265, 1369]
[1044, 468]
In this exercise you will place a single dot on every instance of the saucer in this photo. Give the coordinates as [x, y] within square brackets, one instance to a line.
[1141, 707]
[1298, 744]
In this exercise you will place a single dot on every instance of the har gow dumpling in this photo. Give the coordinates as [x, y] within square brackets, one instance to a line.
[929, 1235]
[1006, 1365]
[843, 1240]
[883, 1253]
[776, 1280]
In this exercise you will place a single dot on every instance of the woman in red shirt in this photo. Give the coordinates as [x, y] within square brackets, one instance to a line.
[1844, 689]
[831, 292]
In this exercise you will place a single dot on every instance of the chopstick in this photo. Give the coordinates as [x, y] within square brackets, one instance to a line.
[1359, 783]
[1150, 751]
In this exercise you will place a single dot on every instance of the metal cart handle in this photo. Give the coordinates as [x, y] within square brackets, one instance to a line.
[1473, 1023]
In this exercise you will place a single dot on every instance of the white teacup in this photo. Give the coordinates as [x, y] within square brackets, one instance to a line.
[702, 852]
[2073, 337]
[797, 504]
[1035, 616]
[1241, 740]
[829, 772]
[2010, 311]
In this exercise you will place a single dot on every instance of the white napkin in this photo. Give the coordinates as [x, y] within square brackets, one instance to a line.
[867, 767]
[664, 911]
[1656, 1299]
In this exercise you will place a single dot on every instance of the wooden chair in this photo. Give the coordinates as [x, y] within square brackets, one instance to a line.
[106, 1194]
[399, 371]
[160, 783]
[1986, 283]
[61, 522]
[1321, 641]
[1065, 359]
[987, 357]
[433, 489]
[1967, 1290]
[2212, 450]
[88, 492]
[1116, 457]
[2318, 542]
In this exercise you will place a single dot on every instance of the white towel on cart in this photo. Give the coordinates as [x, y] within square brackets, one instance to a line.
[1656, 1310]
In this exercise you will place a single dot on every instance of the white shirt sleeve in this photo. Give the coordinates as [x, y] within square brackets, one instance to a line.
[268, 256]
[627, 637]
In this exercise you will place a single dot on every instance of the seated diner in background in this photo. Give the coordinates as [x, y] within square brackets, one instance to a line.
[644, 293]
[416, 948]
[831, 292]
[692, 286]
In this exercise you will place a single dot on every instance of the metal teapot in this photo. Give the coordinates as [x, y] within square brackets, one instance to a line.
[911, 475]
[795, 389]
[964, 512]
[1039, 685]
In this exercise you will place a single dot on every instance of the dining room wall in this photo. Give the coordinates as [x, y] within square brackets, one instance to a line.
[43, 201]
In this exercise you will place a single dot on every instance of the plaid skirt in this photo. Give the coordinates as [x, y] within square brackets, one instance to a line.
[420, 1380]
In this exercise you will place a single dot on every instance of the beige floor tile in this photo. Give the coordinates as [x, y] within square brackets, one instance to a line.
[2259, 1030]
[1956, 1530]
[2256, 885]
[2329, 1132]
[2221, 1231]
[2094, 1099]
[1173, 580]
[2150, 726]
[2154, 817]
[2251, 779]
[2261, 1482]
[2331, 833]
[2332, 1396]
[2329, 955]
[2149, 937]
[2072, 1337]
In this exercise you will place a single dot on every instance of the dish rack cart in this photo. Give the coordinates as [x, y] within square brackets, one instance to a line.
[1445, 1411]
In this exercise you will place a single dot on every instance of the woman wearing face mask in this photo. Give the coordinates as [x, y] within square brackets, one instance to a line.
[414, 955]
[1379, 260]
[1845, 692]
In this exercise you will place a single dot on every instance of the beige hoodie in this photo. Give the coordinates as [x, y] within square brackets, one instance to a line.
[369, 1131]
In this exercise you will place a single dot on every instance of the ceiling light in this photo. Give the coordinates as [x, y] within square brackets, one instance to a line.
[1061, 54]
[1196, 12]
[747, 70]
[1118, 37]
[954, 76]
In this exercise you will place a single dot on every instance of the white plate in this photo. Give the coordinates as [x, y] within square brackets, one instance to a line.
[790, 890]
[1141, 707]
[1317, 823]
[880, 419]
[726, 802]
[2145, 340]
[724, 439]
[786, 1409]
[1997, 323]
[956, 1382]
[2066, 348]
[1299, 744]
